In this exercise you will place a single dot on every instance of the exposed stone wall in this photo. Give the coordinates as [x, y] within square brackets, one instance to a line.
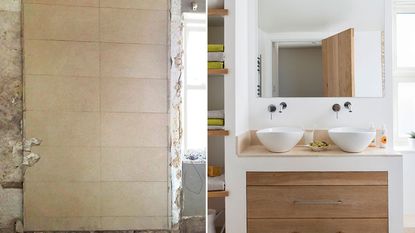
[10, 113]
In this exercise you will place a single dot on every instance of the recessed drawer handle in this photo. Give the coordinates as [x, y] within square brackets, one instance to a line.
[339, 202]
[299, 232]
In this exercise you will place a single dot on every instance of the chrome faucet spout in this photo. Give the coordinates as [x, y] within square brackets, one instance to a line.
[282, 106]
[348, 106]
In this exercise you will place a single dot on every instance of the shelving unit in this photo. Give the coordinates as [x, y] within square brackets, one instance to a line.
[218, 194]
[217, 12]
[216, 101]
[217, 71]
[218, 133]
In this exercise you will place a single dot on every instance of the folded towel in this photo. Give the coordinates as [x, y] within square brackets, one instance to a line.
[216, 65]
[216, 48]
[214, 171]
[216, 56]
[216, 114]
[216, 183]
[215, 127]
[216, 122]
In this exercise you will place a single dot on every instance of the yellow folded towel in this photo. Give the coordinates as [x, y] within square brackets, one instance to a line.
[214, 171]
[216, 122]
[216, 48]
[216, 65]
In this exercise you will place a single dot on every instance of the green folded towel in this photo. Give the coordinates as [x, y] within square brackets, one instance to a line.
[216, 65]
[216, 48]
[216, 122]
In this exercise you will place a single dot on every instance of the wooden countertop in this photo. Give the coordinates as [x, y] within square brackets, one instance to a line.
[302, 151]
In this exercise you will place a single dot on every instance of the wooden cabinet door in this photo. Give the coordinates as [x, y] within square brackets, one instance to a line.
[338, 64]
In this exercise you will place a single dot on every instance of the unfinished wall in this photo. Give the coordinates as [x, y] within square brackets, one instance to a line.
[10, 113]
[96, 94]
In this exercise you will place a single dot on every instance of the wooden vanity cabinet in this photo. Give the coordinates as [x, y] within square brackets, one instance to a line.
[323, 202]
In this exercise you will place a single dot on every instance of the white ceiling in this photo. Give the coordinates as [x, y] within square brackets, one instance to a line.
[277, 16]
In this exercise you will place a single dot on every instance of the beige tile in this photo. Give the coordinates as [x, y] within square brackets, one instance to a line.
[134, 164]
[132, 60]
[137, 4]
[91, 3]
[61, 22]
[134, 130]
[133, 26]
[63, 128]
[58, 199]
[61, 58]
[134, 199]
[62, 164]
[61, 93]
[65, 224]
[128, 223]
[134, 95]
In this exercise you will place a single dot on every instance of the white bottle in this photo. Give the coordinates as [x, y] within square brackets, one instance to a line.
[373, 129]
[383, 141]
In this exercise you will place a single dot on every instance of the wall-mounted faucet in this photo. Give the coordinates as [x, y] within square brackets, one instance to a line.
[348, 105]
[336, 108]
[283, 106]
[272, 108]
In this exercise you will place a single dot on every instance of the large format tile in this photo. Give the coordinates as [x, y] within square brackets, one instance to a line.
[63, 164]
[63, 224]
[133, 164]
[128, 223]
[63, 128]
[132, 199]
[61, 93]
[57, 199]
[134, 130]
[136, 4]
[61, 58]
[134, 95]
[61, 22]
[133, 26]
[132, 60]
[90, 3]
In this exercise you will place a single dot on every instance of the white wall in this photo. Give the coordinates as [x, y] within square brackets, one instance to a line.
[368, 63]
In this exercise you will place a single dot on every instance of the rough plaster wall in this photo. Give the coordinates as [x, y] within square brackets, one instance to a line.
[10, 113]
[175, 110]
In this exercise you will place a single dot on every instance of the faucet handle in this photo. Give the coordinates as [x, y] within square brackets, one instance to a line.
[271, 109]
[336, 108]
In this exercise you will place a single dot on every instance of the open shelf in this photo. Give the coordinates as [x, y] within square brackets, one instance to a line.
[218, 133]
[217, 71]
[217, 194]
[217, 12]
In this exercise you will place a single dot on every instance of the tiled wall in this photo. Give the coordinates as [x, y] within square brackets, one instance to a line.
[95, 76]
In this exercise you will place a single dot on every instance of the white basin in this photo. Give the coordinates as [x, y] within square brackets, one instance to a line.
[280, 139]
[350, 139]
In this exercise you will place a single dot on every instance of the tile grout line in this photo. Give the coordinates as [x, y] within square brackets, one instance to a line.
[100, 114]
[99, 6]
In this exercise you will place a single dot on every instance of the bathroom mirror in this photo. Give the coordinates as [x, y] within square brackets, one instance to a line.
[320, 48]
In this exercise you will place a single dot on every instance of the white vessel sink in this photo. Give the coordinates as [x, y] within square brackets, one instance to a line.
[350, 139]
[280, 139]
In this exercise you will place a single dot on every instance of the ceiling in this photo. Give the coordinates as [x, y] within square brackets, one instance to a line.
[275, 16]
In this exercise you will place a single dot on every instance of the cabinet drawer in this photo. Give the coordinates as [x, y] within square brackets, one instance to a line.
[317, 225]
[317, 201]
[317, 178]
